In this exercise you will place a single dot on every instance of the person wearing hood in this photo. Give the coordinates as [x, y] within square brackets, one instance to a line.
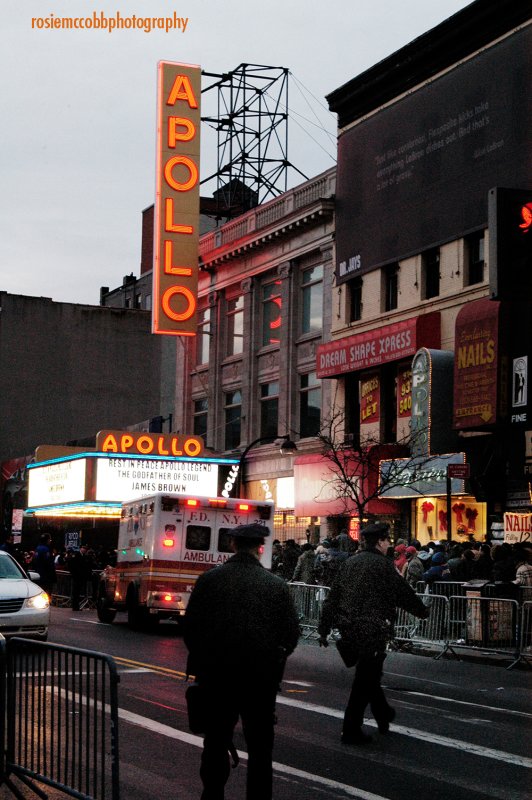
[438, 570]
[399, 557]
[415, 566]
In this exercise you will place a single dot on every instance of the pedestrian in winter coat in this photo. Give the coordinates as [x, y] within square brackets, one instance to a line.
[304, 571]
[239, 627]
[362, 606]
[43, 563]
[416, 567]
[438, 570]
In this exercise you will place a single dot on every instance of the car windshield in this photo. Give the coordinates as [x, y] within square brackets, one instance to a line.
[9, 568]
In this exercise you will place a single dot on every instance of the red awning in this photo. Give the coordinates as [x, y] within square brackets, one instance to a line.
[316, 495]
[379, 345]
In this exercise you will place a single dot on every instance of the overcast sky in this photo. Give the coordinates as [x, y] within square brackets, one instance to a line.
[78, 115]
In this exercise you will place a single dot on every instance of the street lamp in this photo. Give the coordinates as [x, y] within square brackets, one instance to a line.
[286, 446]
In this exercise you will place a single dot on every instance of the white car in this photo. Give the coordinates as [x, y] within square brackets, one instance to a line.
[24, 607]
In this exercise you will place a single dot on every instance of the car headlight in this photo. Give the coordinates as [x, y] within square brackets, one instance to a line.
[38, 601]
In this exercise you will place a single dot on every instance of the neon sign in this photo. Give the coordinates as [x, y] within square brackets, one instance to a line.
[175, 273]
[155, 444]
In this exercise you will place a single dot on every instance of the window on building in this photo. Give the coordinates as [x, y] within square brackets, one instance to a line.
[352, 409]
[271, 313]
[309, 405]
[391, 286]
[235, 326]
[233, 416]
[355, 299]
[148, 302]
[127, 302]
[312, 307]
[200, 413]
[203, 336]
[388, 387]
[475, 258]
[138, 301]
[431, 273]
[269, 408]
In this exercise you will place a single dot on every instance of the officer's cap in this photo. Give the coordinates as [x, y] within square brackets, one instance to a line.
[251, 531]
[375, 531]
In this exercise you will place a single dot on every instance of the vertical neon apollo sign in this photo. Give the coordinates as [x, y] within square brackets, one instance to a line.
[175, 273]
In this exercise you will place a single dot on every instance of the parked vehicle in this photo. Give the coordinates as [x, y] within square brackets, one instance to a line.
[24, 607]
[165, 542]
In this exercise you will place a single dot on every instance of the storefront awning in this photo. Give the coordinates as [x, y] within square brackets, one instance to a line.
[379, 346]
[316, 490]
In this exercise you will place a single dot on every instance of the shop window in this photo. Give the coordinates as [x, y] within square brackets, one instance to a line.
[312, 305]
[271, 313]
[269, 408]
[198, 537]
[235, 326]
[201, 408]
[203, 336]
[233, 416]
[391, 285]
[309, 405]
[355, 299]
[431, 273]
[474, 246]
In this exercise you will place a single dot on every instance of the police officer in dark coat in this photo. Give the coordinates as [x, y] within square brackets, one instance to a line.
[361, 604]
[240, 625]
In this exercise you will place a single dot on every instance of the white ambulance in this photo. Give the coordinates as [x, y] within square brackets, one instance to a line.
[165, 542]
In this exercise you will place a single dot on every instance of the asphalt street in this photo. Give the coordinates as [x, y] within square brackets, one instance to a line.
[462, 729]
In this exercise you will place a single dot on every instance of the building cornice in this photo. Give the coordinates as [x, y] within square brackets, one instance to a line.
[301, 208]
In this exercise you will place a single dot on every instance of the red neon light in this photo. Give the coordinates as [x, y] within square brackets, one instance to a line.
[175, 274]
[170, 225]
[526, 214]
[168, 310]
[182, 90]
[192, 169]
[174, 135]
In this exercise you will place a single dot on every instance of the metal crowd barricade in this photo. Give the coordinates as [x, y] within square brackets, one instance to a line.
[486, 623]
[308, 600]
[62, 720]
[62, 590]
[525, 634]
[410, 630]
[62, 594]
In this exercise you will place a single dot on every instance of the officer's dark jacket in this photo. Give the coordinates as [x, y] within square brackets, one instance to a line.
[363, 599]
[239, 617]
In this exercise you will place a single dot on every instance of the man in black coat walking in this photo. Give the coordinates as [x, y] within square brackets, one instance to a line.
[240, 626]
[362, 604]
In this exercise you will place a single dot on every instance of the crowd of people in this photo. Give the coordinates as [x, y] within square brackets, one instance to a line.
[435, 561]
[81, 563]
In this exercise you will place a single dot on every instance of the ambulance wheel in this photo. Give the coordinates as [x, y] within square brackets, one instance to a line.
[105, 614]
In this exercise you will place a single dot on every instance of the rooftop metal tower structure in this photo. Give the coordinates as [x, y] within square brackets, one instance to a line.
[252, 135]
